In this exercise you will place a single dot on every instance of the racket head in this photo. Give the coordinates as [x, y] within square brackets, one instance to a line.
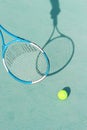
[19, 58]
[60, 50]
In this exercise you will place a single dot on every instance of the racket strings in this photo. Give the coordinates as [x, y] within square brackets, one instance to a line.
[28, 48]
[16, 50]
[21, 59]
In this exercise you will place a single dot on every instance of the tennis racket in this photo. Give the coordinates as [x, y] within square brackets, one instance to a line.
[59, 49]
[19, 58]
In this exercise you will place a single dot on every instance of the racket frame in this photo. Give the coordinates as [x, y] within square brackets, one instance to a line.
[18, 39]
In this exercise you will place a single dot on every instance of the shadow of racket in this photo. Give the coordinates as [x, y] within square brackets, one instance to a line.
[59, 47]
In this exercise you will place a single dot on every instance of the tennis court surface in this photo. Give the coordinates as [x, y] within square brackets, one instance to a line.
[36, 106]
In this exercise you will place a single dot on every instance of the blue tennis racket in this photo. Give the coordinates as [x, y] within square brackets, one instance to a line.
[19, 58]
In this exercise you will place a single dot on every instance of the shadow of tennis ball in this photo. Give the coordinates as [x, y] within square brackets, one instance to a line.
[68, 90]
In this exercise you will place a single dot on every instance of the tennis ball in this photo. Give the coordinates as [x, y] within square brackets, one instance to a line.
[62, 95]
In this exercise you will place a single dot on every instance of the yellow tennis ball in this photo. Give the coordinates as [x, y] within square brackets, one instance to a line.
[62, 95]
